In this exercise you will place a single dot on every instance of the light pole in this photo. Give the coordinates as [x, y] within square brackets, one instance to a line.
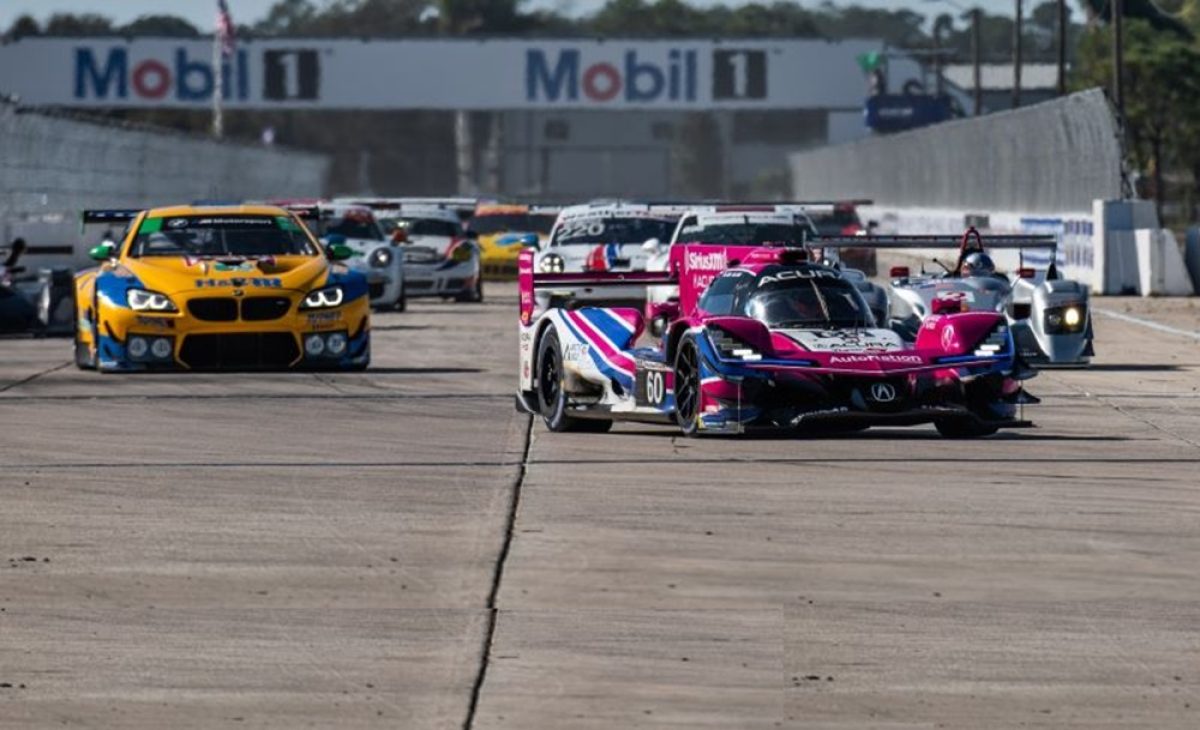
[1118, 90]
[976, 53]
[1062, 47]
[1016, 89]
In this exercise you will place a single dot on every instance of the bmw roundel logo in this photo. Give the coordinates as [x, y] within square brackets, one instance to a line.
[883, 392]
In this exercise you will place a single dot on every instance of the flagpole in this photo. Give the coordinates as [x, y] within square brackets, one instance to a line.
[218, 97]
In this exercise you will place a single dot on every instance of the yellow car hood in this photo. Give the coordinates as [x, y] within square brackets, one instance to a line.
[175, 274]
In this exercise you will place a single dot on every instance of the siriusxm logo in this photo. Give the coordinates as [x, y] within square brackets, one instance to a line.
[186, 79]
[566, 78]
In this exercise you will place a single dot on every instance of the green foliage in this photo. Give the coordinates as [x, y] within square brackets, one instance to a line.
[1162, 96]
[1156, 13]
[1039, 36]
[22, 27]
[67, 24]
[165, 26]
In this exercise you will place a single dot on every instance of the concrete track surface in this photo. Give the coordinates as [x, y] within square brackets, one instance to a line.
[297, 550]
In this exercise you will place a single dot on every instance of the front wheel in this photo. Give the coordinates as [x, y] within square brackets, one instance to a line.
[84, 359]
[475, 293]
[401, 302]
[687, 387]
[552, 396]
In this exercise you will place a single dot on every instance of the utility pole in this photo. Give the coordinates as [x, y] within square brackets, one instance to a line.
[1118, 11]
[1062, 47]
[1016, 89]
[939, 77]
[976, 54]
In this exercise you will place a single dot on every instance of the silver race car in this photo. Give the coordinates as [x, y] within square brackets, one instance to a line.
[441, 257]
[375, 257]
[1049, 316]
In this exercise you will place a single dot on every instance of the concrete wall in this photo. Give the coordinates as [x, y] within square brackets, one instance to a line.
[1052, 168]
[1050, 158]
[52, 167]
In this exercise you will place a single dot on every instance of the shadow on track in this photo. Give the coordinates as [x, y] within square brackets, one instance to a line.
[1113, 367]
[875, 434]
[409, 371]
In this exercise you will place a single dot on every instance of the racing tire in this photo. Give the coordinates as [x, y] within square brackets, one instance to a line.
[964, 428]
[84, 360]
[687, 387]
[475, 294]
[552, 397]
[83, 356]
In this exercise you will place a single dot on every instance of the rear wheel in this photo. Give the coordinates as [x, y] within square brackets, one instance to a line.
[552, 396]
[687, 387]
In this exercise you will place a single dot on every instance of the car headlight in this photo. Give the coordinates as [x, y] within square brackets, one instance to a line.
[995, 343]
[141, 300]
[552, 264]
[330, 296]
[461, 253]
[1065, 319]
[731, 348]
[380, 258]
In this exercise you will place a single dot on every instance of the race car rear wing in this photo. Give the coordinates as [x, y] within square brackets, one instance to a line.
[601, 279]
[969, 242]
[902, 242]
[530, 282]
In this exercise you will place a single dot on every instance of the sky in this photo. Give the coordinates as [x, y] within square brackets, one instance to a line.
[202, 12]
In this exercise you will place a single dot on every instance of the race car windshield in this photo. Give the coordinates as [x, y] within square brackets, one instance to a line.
[804, 300]
[362, 227]
[748, 234]
[221, 236]
[488, 224]
[431, 227]
[612, 230]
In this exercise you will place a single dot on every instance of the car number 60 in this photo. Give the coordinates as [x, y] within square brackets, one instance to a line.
[656, 388]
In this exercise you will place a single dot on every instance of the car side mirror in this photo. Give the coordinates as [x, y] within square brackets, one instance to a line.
[339, 251]
[102, 252]
[335, 239]
[651, 245]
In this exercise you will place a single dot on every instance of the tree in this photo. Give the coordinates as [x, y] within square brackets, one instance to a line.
[22, 27]
[1150, 11]
[84, 24]
[163, 26]
[1162, 107]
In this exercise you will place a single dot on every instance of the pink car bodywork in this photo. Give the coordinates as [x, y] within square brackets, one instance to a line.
[959, 373]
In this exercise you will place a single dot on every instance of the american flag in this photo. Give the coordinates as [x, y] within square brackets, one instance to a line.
[226, 33]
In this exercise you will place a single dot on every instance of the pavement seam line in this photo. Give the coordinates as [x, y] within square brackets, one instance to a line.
[33, 377]
[514, 504]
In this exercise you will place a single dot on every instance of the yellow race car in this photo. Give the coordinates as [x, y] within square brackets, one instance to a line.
[218, 287]
[505, 230]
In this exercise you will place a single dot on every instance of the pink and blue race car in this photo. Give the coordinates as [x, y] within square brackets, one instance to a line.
[760, 338]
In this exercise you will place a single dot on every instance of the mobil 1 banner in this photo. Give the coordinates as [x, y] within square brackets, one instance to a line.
[492, 74]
